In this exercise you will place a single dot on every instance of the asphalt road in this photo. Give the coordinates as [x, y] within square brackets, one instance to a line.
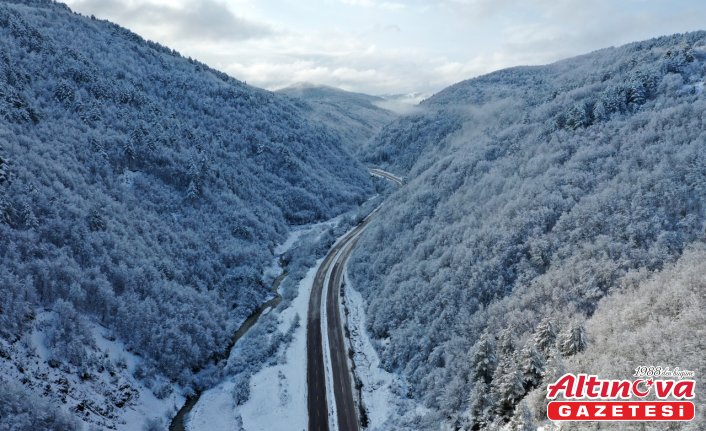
[330, 276]
[380, 173]
[347, 415]
[315, 372]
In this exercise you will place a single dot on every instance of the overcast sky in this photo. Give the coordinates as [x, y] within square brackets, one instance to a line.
[389, 46]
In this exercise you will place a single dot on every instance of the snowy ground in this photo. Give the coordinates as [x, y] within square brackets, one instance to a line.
[111, 399]
[376, 394]
[147, 405]
[277, 393]
[384, 406]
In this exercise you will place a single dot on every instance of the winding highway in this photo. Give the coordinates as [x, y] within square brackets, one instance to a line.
[330, 276]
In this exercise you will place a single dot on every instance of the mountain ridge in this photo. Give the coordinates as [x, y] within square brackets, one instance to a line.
[144, 192]
[532, 193]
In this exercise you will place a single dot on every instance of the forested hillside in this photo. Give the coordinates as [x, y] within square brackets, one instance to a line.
[143, 191]
[532, 193]
[356, 117]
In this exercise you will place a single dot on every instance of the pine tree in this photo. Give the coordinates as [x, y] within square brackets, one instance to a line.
[479, 402]
[27, 218]
[506, 343]
[4, 173]
[532, 363]
[509, 388]
[600, 112]
[578, 116]
[554, 369]
[192, 191]
[129, 150]
[573, 340]
[4, 181]
[508, 385]
[545, 336]
[95, 219]
[484, 360]
[636, 94]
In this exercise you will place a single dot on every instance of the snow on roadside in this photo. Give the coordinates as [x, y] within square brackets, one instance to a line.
[376, 392]
[215, 410]
[328, 371]
[277, 393]
[297, 233]
[272, 271]
[384, 405]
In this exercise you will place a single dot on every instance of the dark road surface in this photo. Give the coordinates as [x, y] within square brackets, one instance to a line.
[334, 262]
[343, 390]
[315, 374]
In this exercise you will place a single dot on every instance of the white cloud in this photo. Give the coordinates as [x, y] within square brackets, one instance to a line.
[389, 46]
[375, 3]
[196, 20]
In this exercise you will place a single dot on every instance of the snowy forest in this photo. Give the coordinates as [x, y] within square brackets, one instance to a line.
[551, 219]
[143, 191]
[535, 195]
[357, 117]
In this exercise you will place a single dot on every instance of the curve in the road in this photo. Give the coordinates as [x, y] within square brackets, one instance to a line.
[384, 174]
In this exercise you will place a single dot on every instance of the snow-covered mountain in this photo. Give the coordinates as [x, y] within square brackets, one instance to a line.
[552, 219]
[536, 196]
[356, 117]
[142, 195]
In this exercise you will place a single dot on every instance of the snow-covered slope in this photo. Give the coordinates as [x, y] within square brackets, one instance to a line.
[656, 319]
[530, 194]
[144, 192]
[115, 393]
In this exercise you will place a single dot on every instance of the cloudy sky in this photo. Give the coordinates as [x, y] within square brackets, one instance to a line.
[389, 46]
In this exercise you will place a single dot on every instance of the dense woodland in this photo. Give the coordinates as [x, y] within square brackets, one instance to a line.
[145, 191]
[533, 193]
[356, 117]
[553, 218]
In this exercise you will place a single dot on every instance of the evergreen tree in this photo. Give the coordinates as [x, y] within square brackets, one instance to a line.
[479, 401]
[484, 360]
[192, 191]
[573, 340]
[4, 182]
[600, 112]
[509, 388]
[506, 343]
[129, 150]
[4, 172]
[533, 363]
[545, 335]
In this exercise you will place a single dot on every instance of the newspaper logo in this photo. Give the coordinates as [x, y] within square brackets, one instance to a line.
[587, 397]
